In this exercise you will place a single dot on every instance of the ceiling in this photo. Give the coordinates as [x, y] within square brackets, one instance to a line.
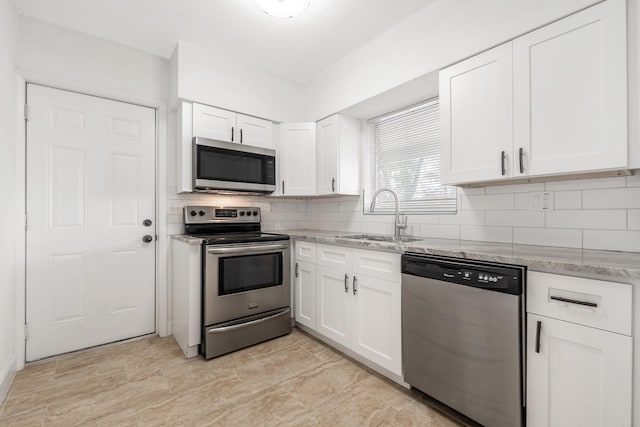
[296, 49]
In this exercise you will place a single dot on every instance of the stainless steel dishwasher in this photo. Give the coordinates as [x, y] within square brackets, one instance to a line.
[463, 335]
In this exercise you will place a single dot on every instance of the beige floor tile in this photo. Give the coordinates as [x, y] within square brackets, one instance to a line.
[290, 381]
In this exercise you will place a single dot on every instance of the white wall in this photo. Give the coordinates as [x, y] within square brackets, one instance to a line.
[8, 179]
[438, 35]
[212, 79]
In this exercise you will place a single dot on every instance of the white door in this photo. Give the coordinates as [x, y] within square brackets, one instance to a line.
[327, 155]
[377, 326]
[90, 186]
[305, 294]
[581, 376]
[570, 93]
[476, 117]
[297, 151]
[255, 132]
[333, 311]
[214, 123]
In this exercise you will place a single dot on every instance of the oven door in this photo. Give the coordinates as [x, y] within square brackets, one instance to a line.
[245, 279]
[219, 165]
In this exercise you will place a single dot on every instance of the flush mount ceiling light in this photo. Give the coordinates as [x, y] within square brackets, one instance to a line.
[283, 8]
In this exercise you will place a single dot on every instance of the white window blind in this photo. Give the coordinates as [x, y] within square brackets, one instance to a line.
[405, 157]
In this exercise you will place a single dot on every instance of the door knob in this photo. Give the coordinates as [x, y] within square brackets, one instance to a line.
[147, 238]
[147, 223]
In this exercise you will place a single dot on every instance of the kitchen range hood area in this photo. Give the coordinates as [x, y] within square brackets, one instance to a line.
[306, 212]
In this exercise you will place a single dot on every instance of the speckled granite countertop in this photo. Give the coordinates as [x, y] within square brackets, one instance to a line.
[619, 266]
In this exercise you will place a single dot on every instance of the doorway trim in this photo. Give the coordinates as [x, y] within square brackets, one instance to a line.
[161, 107]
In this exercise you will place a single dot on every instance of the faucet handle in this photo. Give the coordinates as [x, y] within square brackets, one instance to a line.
[402, 222]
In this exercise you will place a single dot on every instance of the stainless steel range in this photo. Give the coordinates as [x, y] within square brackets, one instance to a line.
[246, 279]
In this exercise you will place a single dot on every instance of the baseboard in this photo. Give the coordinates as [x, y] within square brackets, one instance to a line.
[7, 373]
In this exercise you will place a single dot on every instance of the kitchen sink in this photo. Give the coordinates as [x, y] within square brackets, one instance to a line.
[380, 238]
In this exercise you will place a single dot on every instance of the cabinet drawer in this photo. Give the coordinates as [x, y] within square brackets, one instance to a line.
[381, 265]
[595, 303]
[334, 257]
[305, 251]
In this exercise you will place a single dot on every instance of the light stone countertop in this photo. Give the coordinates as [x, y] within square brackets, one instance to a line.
[187, 239]
[617, 266]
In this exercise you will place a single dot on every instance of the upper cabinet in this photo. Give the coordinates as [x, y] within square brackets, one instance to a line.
[551, 102]
[338, 156]
[223, 125]
[297, 159]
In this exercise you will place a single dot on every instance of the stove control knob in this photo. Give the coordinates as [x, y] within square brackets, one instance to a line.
[255, 213]
[193, 213]
[241, 213]
[201, 213]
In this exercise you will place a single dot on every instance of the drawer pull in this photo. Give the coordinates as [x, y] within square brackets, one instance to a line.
[538, 328]
[574, 301]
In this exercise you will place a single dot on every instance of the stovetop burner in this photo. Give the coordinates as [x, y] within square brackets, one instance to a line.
[226, 225]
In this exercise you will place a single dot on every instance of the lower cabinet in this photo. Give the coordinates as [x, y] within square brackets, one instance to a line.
[578, 375]
[357, 301]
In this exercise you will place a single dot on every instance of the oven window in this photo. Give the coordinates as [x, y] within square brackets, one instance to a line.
[229, 165]
[248, 272]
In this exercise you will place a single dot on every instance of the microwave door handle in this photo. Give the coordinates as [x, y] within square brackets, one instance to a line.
[244, 249]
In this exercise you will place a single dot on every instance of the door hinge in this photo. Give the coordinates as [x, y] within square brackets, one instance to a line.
[26, 112]
[25, 222]
[26, 331]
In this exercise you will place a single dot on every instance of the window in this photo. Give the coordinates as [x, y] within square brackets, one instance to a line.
[404, 156]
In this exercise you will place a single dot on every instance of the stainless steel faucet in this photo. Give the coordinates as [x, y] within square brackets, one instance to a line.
[398, 225]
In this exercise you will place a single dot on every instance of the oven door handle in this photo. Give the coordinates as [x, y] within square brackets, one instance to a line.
[222, 329]
[244, 249]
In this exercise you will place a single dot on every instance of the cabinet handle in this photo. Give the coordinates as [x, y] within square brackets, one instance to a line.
[355, 285]
[283, 186]
[346, 283]
[502, 161]
[297, 270]
[574, 301]
[333, 185]
[232, 132]
[521, 157]
[240, 136]
[538, 328]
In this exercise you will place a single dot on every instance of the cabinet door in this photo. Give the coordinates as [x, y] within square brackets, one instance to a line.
[570, 105]
[297, 159]
[377, 322]
[255, 132]
[580, 377]
[476, 118]
[327, 155]
[333, 314]
[214, 123]
[305, 294]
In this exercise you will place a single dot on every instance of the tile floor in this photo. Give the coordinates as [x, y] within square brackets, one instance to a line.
[291, 381]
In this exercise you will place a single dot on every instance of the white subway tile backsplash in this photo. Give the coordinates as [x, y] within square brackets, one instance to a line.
[440, 231]
[518, 188]
[582, 184]
[588, 219]
[473, 191]
[487, 233]
[488, 202]
[615, 198]
[515, 218]
[612, 240]
[464, 217]
[634, 180]
[548, 237]
[633, 219]
[521, 201]
[567, 200]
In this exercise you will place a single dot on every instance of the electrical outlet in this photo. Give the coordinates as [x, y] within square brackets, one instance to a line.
[541, 201]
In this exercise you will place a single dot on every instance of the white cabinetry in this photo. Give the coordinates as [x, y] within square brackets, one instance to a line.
[305, 283]
[476, 117]
[550, 102]
[579, 352]
[297, 159]
[338, 156]
[185, 263]
[254, 131]
[214, 123]
[358, 303]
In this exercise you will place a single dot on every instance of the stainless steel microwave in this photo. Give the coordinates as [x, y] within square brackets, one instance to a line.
[227, 167]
